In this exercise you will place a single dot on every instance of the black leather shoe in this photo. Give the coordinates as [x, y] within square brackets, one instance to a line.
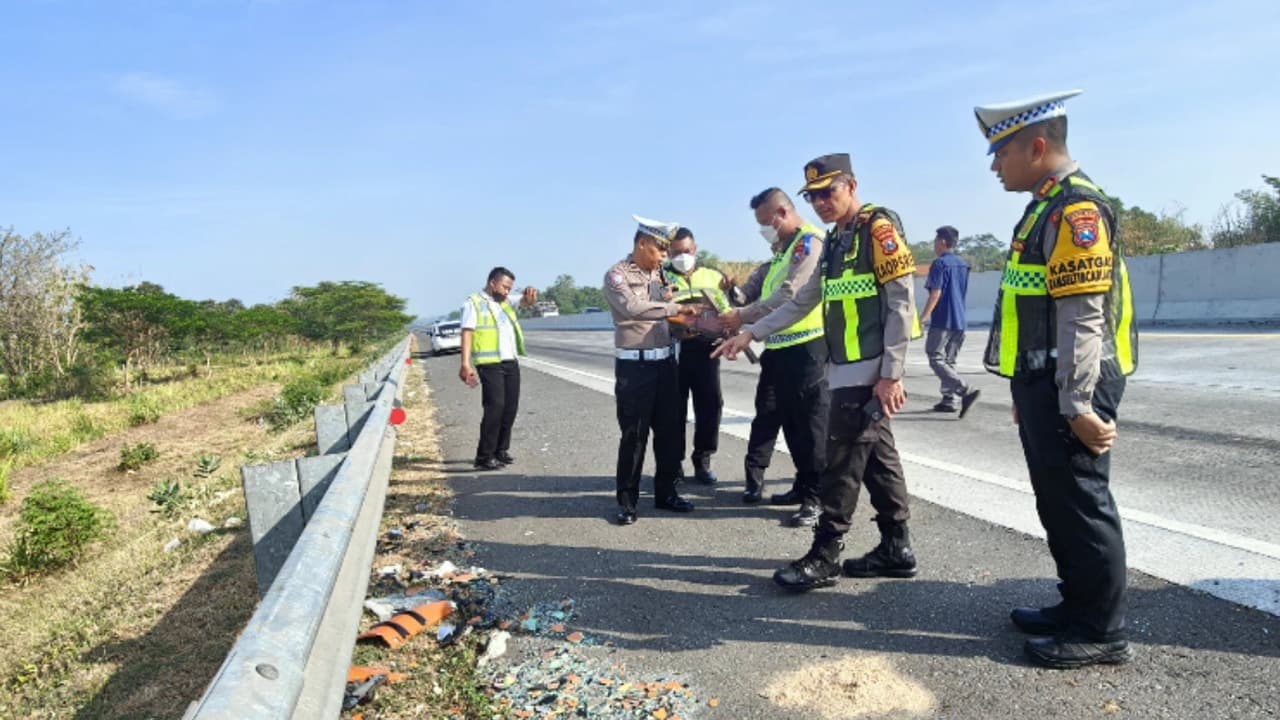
[1067, 653]
[626, 517]
[752, 497]
[945, 406]
[967, 400]
[1037, 621]
[505, 458]
[674, 503]
[706, 477]
[806, 516]
[490, 464]
[790, 497]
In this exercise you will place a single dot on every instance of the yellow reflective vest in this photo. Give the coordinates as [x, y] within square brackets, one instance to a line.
[689, 289]
[1023, 336]
[484, 340]
[810, 326]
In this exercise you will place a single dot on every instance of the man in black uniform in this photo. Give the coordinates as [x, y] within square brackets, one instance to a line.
[1064, 335]
[699, 374]
[863, 291]
[792, 389]
[647, 387]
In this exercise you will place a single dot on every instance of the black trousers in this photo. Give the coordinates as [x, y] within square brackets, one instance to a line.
[500, 397]
[860, 451]
[792, 394]
[700, 377]
[647, 394]
[1073, 499]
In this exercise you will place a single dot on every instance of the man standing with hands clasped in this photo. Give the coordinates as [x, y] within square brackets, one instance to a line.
[1065, 337]
[864, 288]
[491, 342]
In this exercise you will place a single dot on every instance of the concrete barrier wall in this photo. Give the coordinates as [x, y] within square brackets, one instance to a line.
[1209, 287]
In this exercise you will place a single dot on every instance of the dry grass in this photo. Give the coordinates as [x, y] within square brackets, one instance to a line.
[442, 681]
[32, 432]
[132, 632]
[738, 270]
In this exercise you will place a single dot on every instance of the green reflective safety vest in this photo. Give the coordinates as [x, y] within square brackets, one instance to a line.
[1024, 330]
[689, 289]
[851, 303]
[484, 340]
[810, 326]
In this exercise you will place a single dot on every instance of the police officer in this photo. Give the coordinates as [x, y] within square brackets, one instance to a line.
[792, 389]
[1064, 335]
[647, 379]
[864, 289]
[699, 373]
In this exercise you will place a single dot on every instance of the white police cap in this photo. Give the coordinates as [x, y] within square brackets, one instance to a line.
[663, 232]
[1000, 122]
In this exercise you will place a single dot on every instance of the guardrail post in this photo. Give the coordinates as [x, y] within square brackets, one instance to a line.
[314, 476]
[355, 398]
[331, 429]
[273, 498]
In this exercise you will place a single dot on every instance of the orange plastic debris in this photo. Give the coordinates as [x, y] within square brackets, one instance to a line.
[713, 703]
[360, 673]
[399, 629]
[574, 637]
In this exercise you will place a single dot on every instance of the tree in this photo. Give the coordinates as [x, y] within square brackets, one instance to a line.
[1254, 220]
[350, 312]
[138, 324]
[1145, 233]
[564, 294]
[39, 321]
[982, 252]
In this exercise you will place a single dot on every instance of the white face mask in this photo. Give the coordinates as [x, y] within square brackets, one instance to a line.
[770, 234]
[683, 263]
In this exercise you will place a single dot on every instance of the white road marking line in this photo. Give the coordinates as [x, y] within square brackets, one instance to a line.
[1185, 554]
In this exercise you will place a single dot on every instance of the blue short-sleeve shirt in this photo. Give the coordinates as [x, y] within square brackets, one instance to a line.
[949, 274]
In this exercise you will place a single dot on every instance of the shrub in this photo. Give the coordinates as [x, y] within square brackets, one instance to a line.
[143, 410]
[54, 526]
[296, 400]
[91, 379]
[133, 457]
[83, 428]
[168, 496]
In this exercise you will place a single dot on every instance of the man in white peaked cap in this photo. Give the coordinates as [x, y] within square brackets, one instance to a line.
[1064, 335]
[647, 389]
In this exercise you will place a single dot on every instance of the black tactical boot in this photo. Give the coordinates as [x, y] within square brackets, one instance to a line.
[891, 558]
[754, 490]
[806, 516]
[819, 568]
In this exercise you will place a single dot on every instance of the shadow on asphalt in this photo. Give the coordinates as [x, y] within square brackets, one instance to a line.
[658, 601]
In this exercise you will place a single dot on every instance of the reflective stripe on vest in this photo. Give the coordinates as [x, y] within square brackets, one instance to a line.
[484, 339]
[808, 327]
[1023, 330]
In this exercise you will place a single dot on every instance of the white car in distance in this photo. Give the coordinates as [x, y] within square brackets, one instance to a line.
[446, 337]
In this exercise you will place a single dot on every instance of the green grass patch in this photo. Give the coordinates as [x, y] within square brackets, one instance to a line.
[133, 457]
[55, 524]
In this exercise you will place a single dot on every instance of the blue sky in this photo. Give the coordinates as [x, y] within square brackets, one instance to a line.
[235, 149]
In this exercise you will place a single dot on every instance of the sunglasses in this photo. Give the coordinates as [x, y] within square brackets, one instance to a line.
[812, 196]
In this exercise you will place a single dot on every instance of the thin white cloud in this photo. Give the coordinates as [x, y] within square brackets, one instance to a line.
[165, 94]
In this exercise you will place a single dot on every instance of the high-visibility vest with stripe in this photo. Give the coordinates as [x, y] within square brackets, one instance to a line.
[852, 303]
[1023, 336]
[810, 326]
[484, 340]
[689, 289]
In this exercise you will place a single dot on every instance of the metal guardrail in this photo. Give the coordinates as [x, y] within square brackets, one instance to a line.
[292, 658]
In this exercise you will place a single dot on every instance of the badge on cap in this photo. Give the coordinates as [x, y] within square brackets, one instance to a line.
[663, 232]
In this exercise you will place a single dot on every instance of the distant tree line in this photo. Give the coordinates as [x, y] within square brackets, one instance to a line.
[61, 336]
[1253, 218]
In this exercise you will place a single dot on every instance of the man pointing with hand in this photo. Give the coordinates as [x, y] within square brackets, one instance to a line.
[865, 290]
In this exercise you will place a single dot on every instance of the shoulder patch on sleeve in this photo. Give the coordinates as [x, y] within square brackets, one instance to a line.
[891, 258]
[615, 279]
[1082, 262]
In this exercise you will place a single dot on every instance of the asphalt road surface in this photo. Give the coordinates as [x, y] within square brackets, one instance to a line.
[1192, 474]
